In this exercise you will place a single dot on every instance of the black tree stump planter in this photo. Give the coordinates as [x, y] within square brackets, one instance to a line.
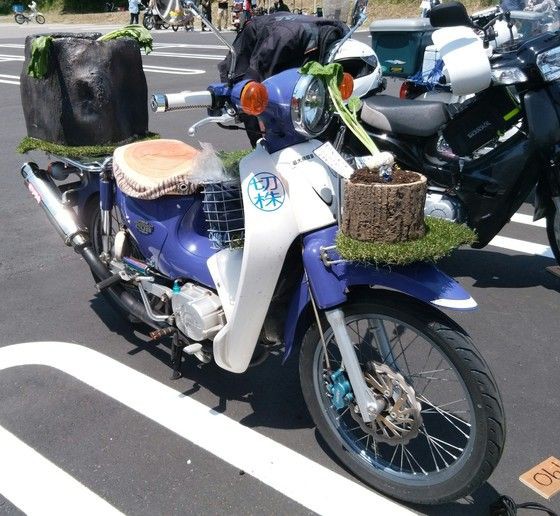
[94, 92]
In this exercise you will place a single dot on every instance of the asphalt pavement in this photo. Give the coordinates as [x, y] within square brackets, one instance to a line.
[64, 425]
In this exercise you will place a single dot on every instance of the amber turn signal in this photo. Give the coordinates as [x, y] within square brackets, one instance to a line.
[254, 98]
[346, 87]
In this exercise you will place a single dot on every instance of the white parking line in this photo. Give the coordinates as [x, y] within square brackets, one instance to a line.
[522, 246]
[173, 71]
[297, 477]
[36, 486]
[188, 45]
[211, 57]
[10, 57]
[521, 218]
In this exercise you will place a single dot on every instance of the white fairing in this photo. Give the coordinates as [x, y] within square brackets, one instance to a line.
[282, 197]
[466, 61]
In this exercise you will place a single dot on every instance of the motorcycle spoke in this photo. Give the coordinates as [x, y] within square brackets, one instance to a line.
[445, 415]
[433, 448]
[430, 381]
[411, 456]
[438, 445]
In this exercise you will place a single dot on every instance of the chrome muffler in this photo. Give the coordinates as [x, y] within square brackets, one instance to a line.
[49, 197]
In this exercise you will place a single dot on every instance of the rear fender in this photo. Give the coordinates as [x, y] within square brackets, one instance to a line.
[331, 284]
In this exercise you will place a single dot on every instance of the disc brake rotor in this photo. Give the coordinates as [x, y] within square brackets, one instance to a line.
[400, 421]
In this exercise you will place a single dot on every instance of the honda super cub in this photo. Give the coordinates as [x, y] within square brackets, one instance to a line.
[228, 267]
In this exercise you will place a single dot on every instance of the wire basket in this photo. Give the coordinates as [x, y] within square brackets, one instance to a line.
[223, 209]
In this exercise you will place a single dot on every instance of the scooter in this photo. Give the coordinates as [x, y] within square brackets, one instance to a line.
[484, 156]
[231, 268]
[34, 15]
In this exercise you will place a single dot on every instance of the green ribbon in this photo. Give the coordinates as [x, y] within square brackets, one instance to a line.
[40, 51]
[332, 74]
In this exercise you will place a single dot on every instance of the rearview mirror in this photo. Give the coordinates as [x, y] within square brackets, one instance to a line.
[450, 14]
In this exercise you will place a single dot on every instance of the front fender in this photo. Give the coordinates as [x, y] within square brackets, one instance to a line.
[330, 284]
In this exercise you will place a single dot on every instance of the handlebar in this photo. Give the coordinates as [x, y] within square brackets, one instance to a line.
[164, 102]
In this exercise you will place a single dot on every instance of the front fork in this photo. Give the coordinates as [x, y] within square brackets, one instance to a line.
[367, 402]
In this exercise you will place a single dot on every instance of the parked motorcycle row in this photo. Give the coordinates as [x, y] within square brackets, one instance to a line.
[396, 388]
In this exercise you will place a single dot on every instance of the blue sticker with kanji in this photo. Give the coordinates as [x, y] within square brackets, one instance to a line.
[266, 191]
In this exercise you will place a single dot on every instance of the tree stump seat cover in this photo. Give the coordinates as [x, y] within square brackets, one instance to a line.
[153, 168]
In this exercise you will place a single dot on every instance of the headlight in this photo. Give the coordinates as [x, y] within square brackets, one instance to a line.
[311, 113]
[549, 64]
[510, 75]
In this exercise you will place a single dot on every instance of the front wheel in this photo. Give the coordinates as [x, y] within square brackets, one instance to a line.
[40, 19]
[175, 28]
[442, 429]
[20, 19]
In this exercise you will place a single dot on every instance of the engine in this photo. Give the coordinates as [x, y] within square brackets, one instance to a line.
[442, 206]
[198, 312]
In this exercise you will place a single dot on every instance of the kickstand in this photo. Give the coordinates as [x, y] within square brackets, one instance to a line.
[176, 356]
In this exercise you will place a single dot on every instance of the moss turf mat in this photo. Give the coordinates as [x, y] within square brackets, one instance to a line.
[442, 237]
[28, 144]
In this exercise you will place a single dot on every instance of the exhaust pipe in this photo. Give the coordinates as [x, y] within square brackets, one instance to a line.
[47, 194]
[63, 218]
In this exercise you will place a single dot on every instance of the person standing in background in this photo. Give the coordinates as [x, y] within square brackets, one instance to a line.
[223, 12]
[207, 11]
[133, 9]
[246, 13]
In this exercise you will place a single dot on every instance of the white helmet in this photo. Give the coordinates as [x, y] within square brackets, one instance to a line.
[360, 61]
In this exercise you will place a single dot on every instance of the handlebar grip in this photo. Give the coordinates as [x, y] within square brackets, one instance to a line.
[164, 102]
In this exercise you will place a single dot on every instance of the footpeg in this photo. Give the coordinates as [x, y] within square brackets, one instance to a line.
[196, 350]
[109, 282]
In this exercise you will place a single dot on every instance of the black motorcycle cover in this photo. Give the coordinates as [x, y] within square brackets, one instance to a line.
[276, 42]
[94, 93]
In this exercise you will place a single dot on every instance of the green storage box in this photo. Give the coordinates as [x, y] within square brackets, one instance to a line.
[400, 44]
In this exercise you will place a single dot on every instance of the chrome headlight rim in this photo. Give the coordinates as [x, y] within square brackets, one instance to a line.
[548, 63]
[297, 107]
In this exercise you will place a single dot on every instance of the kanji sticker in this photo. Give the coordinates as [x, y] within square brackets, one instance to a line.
[266, 191]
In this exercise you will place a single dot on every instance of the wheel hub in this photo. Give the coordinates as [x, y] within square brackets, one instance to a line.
[399, 422]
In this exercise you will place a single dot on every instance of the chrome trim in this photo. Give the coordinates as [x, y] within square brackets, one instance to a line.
[296, 107]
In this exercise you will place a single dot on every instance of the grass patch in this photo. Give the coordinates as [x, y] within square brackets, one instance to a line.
[28, 144]
[231, 159]
[442, 237]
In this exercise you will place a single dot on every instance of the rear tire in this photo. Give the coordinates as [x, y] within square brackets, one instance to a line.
[20, 19]
[92, 220]
[470, 427]
[40, 19]
[148, 21]
[175, 28]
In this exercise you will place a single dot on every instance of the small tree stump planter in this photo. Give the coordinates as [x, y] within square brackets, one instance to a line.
[384, 212]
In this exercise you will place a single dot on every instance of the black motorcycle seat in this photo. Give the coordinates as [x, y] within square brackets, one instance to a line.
[402, 116]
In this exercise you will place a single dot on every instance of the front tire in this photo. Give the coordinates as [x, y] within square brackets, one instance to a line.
[20, 19]
[40, 19]
[451, 428]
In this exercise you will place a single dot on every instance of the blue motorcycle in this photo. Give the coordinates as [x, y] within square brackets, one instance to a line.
[229, 268]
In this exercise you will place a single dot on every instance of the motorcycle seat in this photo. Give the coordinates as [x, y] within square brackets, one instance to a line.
[402, 116]
[153, 168]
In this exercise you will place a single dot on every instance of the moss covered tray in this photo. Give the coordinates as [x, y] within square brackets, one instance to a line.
[442, 237]
[90, 151]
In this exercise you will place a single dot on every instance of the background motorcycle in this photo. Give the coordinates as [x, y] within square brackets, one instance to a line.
[396, 388]
[484, 156]
[22, 18]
